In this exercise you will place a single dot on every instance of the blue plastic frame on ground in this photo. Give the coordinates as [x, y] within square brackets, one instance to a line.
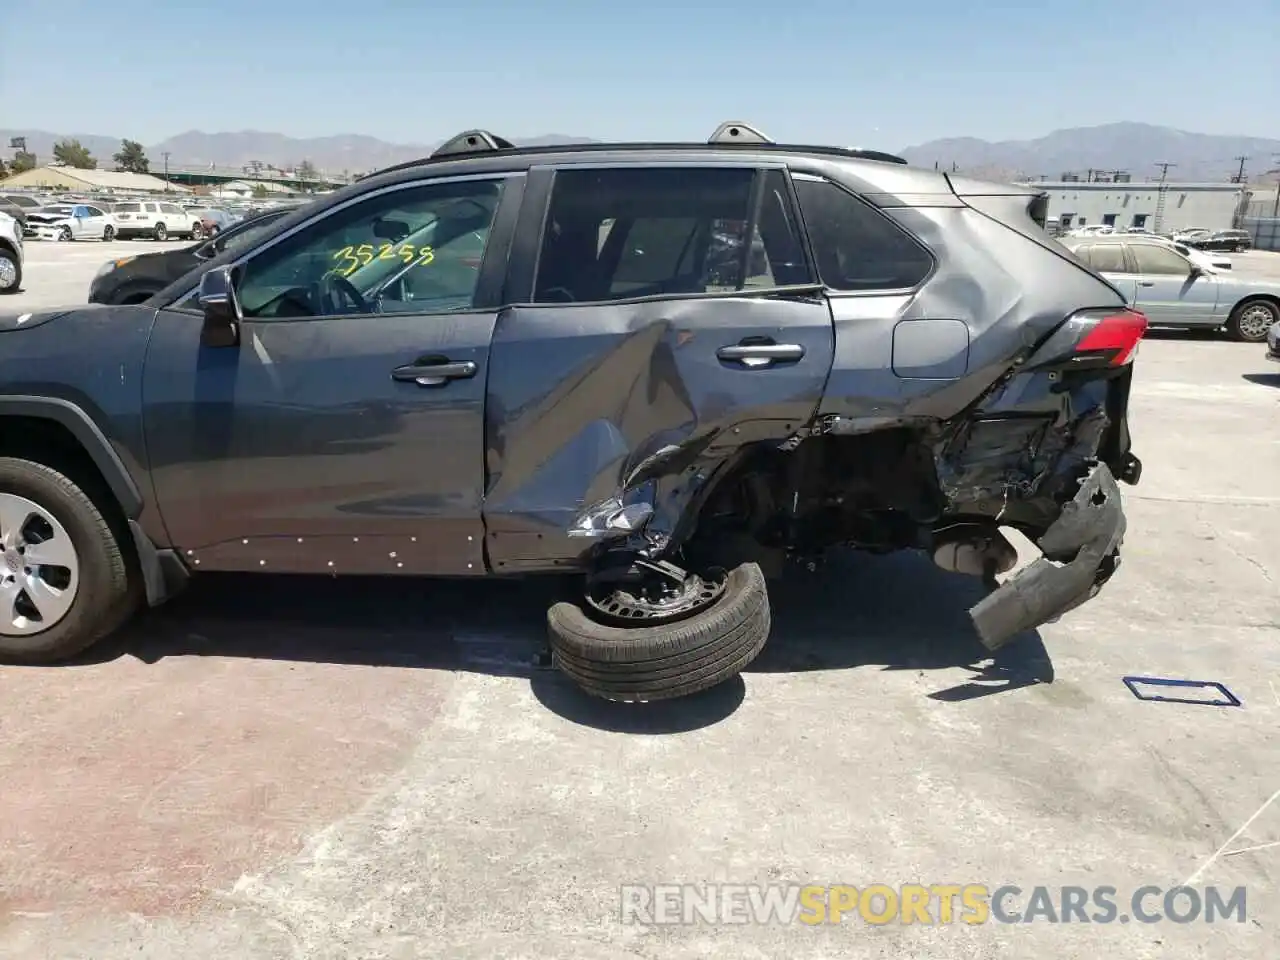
[1226, 698]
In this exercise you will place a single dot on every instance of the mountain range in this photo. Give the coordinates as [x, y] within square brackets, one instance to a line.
[1136, 148]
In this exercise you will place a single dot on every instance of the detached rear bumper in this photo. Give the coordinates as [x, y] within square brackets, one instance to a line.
[1081, 552]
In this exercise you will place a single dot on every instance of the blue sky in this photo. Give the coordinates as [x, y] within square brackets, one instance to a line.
[877, 74]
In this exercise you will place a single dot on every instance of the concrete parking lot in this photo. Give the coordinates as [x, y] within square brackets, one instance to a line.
[277, 768]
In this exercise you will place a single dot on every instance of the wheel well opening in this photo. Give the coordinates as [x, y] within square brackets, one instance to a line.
[50, 443]
[874, 490]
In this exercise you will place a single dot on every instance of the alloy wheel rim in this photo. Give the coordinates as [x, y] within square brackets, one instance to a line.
[39, 568]
[8, 273]
[1255, 322]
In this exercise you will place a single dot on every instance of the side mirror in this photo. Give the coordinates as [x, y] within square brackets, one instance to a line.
[1197, 271]
[221, 309]
[205, 251]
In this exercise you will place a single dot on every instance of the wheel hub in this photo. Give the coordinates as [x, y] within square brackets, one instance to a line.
[652, 600]
[39, 568]
[8, 273]
[1255, 321]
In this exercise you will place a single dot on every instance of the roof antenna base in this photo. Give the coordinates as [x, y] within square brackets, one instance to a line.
[471, 141]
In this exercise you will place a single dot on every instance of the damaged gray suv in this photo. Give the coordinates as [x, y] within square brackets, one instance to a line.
[668, 369]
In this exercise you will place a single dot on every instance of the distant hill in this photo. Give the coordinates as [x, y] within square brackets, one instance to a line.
[345, 152]
[1135, 148]
[1132, 147]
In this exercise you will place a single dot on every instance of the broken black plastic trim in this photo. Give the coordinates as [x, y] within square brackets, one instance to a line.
[1080, 554]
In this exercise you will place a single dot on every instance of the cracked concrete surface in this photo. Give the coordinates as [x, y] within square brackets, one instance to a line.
[382, 771]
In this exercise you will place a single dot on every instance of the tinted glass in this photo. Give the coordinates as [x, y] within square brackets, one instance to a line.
[409, 251]
[128, 207]
[1107, 258]
[1158, 260]
[618, 234]
[857, 246]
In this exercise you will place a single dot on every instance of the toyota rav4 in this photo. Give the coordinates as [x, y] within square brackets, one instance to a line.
[668, 369]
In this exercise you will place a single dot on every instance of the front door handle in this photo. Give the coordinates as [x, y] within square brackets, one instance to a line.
[433, 374]
[1146, 283]
[754, 355]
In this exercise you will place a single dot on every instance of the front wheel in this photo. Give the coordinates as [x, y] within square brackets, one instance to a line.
[108, 233]
[64, 233]
[64, 581]
[10, 272]
[197, 232]
[162, 232]
[631, 648]
[1251, 320]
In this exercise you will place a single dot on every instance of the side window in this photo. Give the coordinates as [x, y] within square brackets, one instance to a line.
[1108, 258]
[170, 210]
[1158, 260]
[642, 232]
[415, 250]
[857, 246]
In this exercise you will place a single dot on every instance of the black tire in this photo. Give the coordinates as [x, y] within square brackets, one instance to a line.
[161, 232]
[64, 234]
[641, 664]
[197, 232]
[108, 233]
[106, 594]
[11, 258]
[1251, 333]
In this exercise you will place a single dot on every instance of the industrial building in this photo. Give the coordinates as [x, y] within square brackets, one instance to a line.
[85, 181]
[1154, 206]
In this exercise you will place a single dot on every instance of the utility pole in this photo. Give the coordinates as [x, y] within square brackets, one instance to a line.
[1162, 193]
[1239, 177]
[166, 170]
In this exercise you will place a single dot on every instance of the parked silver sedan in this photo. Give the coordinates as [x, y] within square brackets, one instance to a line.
[1175, 291]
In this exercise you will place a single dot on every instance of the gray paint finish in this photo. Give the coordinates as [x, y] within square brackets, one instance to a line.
[928, 349]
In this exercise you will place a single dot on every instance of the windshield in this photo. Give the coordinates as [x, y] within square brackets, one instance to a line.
[245, 235]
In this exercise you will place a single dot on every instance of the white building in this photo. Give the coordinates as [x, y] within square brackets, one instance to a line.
[1161, 208]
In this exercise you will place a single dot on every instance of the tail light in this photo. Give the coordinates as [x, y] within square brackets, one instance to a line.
[1093, 340]
[1113, 341]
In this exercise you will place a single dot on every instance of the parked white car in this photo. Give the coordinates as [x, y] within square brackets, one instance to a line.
[71, 221]
[10, 254]
[1214, 261]
[158, 219]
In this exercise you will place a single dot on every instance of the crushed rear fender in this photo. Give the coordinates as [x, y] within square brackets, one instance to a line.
[1081, 552]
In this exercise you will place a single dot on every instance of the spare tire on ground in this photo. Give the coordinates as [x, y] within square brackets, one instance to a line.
[669, 659]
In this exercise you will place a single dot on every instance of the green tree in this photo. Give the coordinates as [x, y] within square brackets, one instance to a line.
[260, 191]
[22, 162]
[4, 170]
[132, 158]
[74, 154]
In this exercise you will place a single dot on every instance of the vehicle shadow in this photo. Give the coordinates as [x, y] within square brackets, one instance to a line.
[1179, 333]
[898, 612]
[1263, 379]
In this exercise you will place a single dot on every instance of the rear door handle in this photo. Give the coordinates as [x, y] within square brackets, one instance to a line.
[754, 355]
[1146, 283]
[433, 374]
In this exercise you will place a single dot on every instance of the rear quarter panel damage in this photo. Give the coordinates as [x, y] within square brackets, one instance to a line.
[579, 396]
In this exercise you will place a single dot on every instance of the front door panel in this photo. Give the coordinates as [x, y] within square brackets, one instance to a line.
[298, 451]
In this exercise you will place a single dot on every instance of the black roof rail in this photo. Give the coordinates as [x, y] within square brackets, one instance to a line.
[735, 131]
[471, 141]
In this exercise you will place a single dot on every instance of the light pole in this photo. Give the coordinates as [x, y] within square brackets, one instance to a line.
[166, 171]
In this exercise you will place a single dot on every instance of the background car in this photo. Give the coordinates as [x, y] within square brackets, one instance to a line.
[19, 213]
[10, 254]
[214, 221]
[1175, 291]
[1232, 240]
[138, 278]
[78, 221]
[156, 219]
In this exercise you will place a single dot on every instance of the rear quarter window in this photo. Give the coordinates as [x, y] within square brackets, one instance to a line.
[856, 246]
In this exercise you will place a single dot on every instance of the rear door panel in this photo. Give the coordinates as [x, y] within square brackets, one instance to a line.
[581, 394]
